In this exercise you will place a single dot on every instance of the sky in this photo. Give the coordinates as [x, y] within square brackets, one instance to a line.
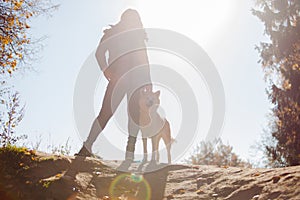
[226, 30]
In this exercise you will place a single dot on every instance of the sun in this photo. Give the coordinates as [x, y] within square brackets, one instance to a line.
[202, 20]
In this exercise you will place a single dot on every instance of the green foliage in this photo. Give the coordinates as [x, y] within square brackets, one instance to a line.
[280, 59]
[13, 149]
[215, 153]
[15, 158]
[46, 184]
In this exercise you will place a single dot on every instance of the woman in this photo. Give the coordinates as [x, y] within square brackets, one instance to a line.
[127, 70]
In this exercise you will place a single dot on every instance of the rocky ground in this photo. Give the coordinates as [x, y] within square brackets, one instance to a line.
[30, 175]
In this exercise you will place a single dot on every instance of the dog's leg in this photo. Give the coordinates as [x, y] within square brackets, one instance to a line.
[166, 135]
[145, 159]
[153, 139]
[168, 146]
[169, 153]
[157, 147]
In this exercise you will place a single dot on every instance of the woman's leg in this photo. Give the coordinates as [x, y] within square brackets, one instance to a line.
[133, 130]
[110, 103]
[133, 122]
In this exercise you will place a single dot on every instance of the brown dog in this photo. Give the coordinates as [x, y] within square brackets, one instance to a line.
[153, 125]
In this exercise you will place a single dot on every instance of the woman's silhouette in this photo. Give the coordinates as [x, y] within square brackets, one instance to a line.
[127, 70]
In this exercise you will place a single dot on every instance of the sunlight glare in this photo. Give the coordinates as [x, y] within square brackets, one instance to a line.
[202, 20]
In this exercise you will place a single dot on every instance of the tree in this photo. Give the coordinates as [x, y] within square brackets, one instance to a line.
[203, 154]
[16, 47]
[12, 112]
[215, 153]
[280, 59]
[15, 42]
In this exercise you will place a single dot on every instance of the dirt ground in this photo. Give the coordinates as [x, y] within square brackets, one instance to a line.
[35, 175]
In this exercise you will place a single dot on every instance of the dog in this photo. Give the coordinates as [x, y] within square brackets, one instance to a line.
[153, 126]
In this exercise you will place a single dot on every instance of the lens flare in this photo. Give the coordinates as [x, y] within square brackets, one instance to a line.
[137, 178]
[131, 186]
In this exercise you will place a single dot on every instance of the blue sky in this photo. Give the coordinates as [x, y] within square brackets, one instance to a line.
[226, 30]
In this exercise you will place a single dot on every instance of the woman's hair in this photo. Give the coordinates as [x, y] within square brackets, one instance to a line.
[130, 19]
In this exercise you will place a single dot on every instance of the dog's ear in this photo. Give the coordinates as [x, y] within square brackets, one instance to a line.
[157, 93]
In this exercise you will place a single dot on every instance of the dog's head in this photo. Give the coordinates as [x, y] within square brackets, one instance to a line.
[149, 99]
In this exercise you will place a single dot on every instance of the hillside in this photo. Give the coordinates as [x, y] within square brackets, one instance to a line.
[33, 175]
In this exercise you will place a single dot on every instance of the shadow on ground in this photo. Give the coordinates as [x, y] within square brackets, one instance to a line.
[142, 181]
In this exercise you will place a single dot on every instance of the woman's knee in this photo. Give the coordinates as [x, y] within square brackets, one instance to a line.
[103, 118]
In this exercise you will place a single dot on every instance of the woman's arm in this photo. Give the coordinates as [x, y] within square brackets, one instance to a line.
[101, 58]
[143, 57]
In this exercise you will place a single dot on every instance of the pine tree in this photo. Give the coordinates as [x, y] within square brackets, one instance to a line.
[280, 59]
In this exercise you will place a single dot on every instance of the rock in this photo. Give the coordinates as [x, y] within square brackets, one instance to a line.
[255, 197]
[276, 179]
[87, 178]
[9, 186]
[200, 182]
[179, 191]
[257, 174]
[200, 192]
[8, 176]
[214, 195]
